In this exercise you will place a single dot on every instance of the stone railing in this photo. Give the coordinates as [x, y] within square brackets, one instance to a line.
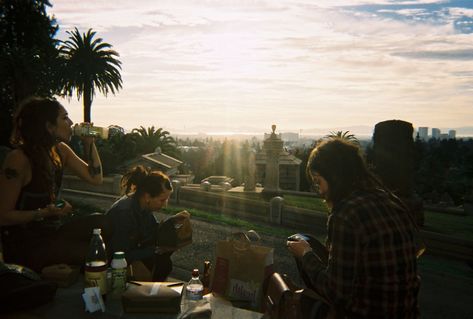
[110, 185]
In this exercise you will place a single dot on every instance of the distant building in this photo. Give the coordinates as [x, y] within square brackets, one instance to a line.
[443, 136]
[156, 161]
[452, 134]
[435, 133]
[423, 133]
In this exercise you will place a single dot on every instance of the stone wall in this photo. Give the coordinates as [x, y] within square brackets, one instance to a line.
[111, 184]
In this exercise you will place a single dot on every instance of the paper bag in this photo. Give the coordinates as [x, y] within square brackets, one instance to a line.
[241, 267]
[175, 231]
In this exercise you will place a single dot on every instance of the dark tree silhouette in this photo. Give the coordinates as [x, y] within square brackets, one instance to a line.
[28, 56]
[90, 65]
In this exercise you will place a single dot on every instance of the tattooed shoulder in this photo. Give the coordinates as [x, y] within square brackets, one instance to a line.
[10, 173]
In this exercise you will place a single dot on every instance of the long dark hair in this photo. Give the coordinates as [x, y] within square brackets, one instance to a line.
[30, 120]
[342, 165]
[141, 180]
[30, 134]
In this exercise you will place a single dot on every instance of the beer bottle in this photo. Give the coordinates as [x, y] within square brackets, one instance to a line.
[206, 277]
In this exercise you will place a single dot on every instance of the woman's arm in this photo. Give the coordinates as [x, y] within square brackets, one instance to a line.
[16, 173]
[91, 172]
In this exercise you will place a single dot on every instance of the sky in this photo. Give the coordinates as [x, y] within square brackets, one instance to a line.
[242, 65]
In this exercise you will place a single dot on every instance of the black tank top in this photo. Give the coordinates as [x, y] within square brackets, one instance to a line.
[37, 194]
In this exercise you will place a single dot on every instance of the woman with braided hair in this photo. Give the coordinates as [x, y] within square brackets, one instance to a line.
[135, 228]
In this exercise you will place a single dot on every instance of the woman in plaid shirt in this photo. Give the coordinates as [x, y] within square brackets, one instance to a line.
[371, 271]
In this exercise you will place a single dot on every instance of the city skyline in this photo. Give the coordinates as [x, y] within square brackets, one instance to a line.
[240, 66]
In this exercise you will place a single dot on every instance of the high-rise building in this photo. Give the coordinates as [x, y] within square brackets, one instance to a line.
[423, 133]
[452, 134]
[435, 133]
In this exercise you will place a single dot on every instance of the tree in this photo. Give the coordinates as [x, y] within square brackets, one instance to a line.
[29, 57]
[148, 139]
[347, 136]
[90, 65]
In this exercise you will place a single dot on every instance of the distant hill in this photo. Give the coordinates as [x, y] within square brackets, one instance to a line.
[360, 131]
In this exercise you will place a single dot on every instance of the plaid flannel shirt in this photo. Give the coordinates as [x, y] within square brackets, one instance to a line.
[372, 267]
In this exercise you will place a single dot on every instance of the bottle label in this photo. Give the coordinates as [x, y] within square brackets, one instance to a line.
[194, 292]
[118, 280]
[96, 275]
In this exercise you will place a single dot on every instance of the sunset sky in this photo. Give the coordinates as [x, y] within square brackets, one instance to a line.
[242, 65]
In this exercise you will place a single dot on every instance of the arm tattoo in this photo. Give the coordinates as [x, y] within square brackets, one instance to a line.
[10, 173]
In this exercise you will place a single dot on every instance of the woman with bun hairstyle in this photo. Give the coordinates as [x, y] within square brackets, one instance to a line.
[134, 227]
[31, 212]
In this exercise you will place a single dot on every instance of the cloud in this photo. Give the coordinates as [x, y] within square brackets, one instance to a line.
[293, 62]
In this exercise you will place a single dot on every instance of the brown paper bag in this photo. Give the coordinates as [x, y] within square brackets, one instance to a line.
[241, 267]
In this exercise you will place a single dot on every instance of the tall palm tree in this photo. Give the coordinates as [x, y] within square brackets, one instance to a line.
[90, 64]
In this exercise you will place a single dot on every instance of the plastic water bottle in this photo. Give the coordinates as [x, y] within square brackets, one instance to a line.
[194, 288]
[87, 129]
[95, 271]
[119, 270]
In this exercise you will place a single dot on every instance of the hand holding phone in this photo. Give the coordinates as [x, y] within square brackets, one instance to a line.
[60, 203]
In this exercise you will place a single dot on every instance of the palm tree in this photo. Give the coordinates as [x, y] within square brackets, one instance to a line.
[150, 138]
[347, 136]
[89, 64]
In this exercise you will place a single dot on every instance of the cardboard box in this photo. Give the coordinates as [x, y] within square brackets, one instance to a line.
[153, 297]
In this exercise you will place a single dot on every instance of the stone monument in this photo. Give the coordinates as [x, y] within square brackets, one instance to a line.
[273, 147]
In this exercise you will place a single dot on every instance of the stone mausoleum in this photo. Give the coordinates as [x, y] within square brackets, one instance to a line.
[289, 170]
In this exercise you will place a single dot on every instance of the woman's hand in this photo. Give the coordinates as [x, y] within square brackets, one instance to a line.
[298, 248]
[53, 211]
[183, 214]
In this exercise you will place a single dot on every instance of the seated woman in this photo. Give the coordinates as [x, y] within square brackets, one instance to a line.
[371, 267]
[134, 227]
[33, 233]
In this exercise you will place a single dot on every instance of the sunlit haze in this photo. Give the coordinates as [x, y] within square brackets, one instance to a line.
[240, 66]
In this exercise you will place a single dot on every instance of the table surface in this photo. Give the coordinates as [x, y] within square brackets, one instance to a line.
[68, 304]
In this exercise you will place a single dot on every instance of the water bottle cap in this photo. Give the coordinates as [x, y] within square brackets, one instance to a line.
[97, 231]
[195, 272]
[119, 255]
